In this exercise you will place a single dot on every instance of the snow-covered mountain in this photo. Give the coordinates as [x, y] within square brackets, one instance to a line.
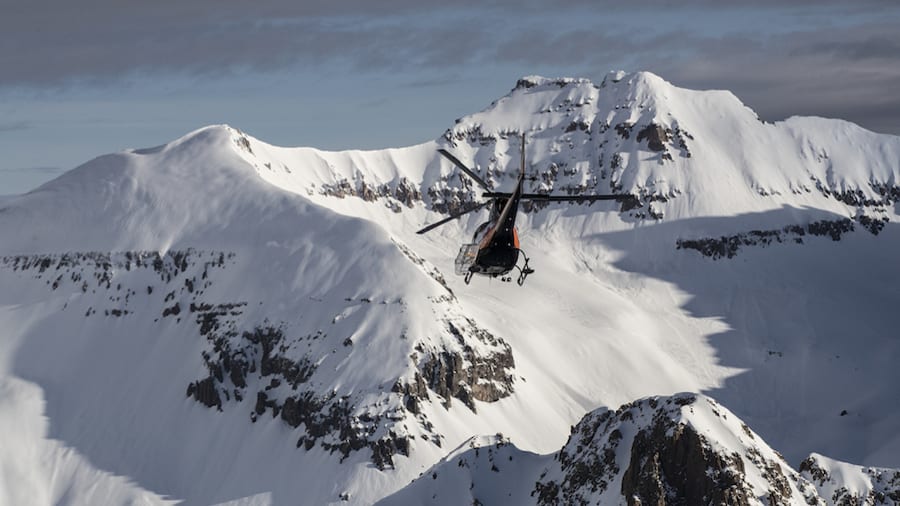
[683, 449]
[222, 320]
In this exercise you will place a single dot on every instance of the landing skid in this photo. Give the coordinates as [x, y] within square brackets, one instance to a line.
[524, 271]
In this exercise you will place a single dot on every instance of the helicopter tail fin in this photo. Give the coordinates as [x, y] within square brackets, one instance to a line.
[522, 165]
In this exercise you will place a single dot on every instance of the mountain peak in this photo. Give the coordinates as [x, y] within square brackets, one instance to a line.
[537, 81]
[680, 449]
[541, 104]
[639, 78]
[659, 450]
[210, 136]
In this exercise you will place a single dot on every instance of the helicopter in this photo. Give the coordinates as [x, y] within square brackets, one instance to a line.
[494, 250]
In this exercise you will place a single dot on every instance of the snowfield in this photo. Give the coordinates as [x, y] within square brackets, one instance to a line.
[220, 320]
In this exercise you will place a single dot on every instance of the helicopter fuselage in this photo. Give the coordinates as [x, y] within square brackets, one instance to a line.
[498, 240]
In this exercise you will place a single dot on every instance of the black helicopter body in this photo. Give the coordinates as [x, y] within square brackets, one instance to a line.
[494, 250]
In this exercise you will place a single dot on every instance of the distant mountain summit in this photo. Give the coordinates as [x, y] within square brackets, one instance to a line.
[685, 153]
[218, 319]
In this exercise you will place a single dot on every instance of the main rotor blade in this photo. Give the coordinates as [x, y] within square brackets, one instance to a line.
[453, 217]
[463, 168]
[539, 197]
[522, 165]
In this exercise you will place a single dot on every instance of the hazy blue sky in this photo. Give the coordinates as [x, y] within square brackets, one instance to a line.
[79, 79]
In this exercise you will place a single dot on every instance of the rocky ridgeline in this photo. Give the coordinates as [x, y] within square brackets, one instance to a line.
[653, 451]
[728, 246]
[889, 194]
[475, 135]
[432, 271]
[401, 191]
[112, 276]
[465, 375]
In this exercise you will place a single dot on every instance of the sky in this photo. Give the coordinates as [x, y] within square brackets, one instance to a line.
[81, 79]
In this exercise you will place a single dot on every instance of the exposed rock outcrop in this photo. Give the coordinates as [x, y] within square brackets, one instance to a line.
[658, 451]
[657, 136]
[672, 463]
[464, 373]
[728, 246]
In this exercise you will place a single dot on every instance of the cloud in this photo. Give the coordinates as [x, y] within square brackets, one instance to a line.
[14, 126]
[831, 58]
[106, 39]
[847, 73]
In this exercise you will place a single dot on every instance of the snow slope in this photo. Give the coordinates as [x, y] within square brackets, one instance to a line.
[178, 270]
[218, 319]
[843, 483]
